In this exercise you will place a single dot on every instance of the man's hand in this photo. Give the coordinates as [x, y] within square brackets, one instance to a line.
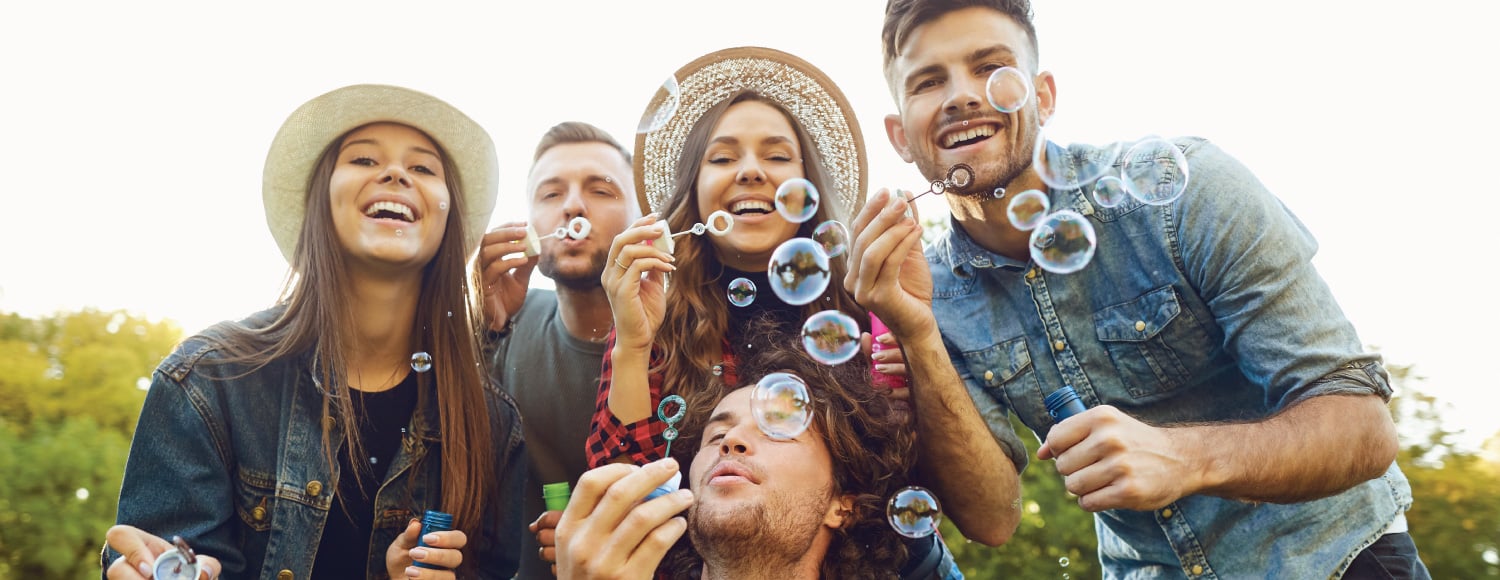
[887, 272]
[138, 551]
[545, 528]
[607, 532]
[442, 549]
[1112, 461]
[505, 280]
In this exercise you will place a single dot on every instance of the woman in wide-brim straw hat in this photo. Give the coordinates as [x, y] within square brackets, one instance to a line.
[304, 440]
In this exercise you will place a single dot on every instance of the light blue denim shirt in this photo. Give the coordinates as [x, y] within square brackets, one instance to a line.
[1205, 309]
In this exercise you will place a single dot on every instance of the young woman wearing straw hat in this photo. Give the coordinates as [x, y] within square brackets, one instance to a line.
[308, 439]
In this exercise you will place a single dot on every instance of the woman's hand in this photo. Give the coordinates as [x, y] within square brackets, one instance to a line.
[442, 549]
[635, 281]
[138, 551]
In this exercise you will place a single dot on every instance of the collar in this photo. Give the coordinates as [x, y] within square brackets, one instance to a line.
[961, 254]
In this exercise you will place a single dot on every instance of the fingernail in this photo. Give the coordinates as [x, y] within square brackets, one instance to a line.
[412, 571]
[430, 539]
[671, 268]
[669, 464]
[144, 568]
[885, 368]
[418, 553]
[684, 494]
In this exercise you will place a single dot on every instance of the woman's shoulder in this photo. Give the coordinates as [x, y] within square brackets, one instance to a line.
[209, 346]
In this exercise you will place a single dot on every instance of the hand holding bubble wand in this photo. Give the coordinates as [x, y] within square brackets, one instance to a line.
[719, 223]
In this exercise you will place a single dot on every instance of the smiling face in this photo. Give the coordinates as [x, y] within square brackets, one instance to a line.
[389, 197]
[751, 151]
[588, 179]
[755, 493]
[939, 79]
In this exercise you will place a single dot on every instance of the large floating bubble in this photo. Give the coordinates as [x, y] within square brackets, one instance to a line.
[1109, 191]
[798, 271]
[1064, 166]
[421, 362]
[1008, 89]
[741, 292]
[1063, 243]
[1155, 171]
[833, 237]
[796, 200]
[1027, 209]
[781, 405]
[831, 337]
[914, 512]
[661, 108]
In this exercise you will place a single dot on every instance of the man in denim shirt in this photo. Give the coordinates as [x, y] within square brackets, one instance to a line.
[1238, 429]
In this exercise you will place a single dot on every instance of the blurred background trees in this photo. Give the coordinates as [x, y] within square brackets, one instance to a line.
[72, 384]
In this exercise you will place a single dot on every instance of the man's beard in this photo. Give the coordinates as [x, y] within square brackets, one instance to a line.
[989, 174]
[738, 537]
[585, 280]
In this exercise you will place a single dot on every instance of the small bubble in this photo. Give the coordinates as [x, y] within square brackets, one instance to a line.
[450, 314]
[1065, 165]
[421, 362]
[1155, 172]
[797, 200]
[938, 187]
[374, 460]
[1109, 191]
[698, 229]
[831, 337]
[1027, 209]
[833, 236]
[1008, 89]
[81, 494]
[1063, 243]
[781, 405]
[662, 107]
[443, 206]
[1063, 561]
[400, 233]
[741, 292]
[914, 512]
[798, 271]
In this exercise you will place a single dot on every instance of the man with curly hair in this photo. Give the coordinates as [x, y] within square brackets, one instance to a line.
[756, 506]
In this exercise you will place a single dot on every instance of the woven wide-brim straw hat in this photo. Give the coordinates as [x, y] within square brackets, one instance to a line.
[818, 105]
[314, 125]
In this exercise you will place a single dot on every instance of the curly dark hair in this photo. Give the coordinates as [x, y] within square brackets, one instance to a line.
[873, 452]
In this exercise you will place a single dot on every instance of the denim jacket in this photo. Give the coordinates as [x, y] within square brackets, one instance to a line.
[1202, 310]
[236, 467]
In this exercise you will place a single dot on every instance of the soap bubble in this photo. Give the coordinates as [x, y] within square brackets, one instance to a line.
[831, 337]
[781, 405]
[662, 107]
[1063, 243]
[833, 237]
[796, 200]
[1064, 165]
[914, 512]
[1155, 171]
[1008, 89]
[421, 362]
[1027, 209]
[741, 292]
[1063, 561]
[1109, 191]
[798, 271]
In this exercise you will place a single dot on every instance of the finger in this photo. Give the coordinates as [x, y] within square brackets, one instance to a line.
[1066, 434]
[645, 518]
[873, 205]
[209, 567]
[1088, 480]
[548, 554]
[407, 539]
[443, 557]
[453, 539]
[504, 236]
[648, 555]
[428, 573]
[120, 569]
[860, 238]
[548, 520]
[547, 537]
[886, 339]
[865, 346]
[888, 232]
[495, 270]
[890, 267]
[641, 230]
[641, 251]
[893, 369]
[623, 495]
[523, 272]
[590, 490]
[139, 548]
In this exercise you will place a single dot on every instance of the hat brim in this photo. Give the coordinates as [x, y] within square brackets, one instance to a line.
[816, 102]
[313, 126]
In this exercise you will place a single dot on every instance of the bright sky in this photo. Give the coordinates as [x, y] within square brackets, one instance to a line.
[135, 133]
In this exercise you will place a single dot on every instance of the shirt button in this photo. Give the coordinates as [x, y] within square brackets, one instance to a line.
[258, 514]
[1059, 346]
[1140, 326]
[1166, 513]
[314, 488]
[329, 423]
[1197, 570]
[1031, 274]
[284, 575]
[989, 375]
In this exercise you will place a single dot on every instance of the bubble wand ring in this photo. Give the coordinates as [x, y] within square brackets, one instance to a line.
[670, 434]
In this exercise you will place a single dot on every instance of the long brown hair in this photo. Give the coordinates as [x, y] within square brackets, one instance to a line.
[696, 320]
[873, 453]
[317, 322]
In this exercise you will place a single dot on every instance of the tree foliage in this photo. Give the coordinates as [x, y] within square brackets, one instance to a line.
[70, 393]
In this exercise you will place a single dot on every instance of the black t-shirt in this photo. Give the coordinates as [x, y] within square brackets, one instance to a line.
[382, 417]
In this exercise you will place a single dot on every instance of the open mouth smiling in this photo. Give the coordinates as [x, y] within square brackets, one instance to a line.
[961, 135]
[391, 210]
[751, 207]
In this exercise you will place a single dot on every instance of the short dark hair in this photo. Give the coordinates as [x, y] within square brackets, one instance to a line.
[904, 16]
[577, 132]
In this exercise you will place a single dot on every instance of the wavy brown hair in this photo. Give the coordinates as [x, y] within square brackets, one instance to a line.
[317, 322]
[696, 320]
[873, 453]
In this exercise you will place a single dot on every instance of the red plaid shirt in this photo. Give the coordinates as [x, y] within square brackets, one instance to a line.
[641, 441]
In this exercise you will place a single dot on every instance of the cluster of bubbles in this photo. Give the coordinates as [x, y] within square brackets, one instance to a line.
[781, 405]
[914, 512]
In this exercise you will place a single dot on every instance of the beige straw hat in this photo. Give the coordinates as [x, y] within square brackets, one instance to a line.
[798, 86]
[309, 130]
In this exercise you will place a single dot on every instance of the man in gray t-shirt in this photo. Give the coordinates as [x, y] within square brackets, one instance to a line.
[545, 348]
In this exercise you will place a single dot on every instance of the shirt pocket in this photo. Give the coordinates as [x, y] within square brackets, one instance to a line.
[1004, 371]
[1154, 344]
[255, 498]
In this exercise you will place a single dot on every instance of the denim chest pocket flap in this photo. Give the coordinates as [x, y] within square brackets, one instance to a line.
[999, 364]
[1152, 342]
[1138, 320]
[255, 497]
